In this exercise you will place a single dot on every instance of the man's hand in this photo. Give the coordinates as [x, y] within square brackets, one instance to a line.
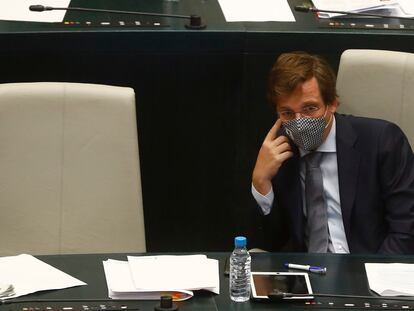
[274, 151]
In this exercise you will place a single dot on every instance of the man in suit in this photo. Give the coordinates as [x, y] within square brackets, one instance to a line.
[366, 167]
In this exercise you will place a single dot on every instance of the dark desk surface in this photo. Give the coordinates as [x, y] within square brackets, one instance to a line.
[201, 103]
[209, 10]
[346, 275]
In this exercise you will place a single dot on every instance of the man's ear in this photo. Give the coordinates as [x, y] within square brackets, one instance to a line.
[333, 105]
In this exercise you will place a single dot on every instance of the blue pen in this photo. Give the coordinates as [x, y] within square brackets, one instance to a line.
[315, 269]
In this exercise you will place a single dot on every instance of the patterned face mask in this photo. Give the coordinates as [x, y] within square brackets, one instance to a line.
[306, 132]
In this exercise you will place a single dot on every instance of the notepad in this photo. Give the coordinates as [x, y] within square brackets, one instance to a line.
[391, 279]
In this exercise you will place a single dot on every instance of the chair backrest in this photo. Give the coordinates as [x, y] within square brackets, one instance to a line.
[378, 84]
[70, 177]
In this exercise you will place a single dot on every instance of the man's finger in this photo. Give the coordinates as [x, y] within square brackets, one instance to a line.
[273, 131]
[281, 139]
[285, 155]
[283, 147]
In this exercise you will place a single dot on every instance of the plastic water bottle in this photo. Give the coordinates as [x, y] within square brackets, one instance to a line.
[240, 261]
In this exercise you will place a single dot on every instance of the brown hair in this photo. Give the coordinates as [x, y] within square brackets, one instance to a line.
[293, 69]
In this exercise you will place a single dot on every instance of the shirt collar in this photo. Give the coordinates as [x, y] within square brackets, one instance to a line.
[329, 145]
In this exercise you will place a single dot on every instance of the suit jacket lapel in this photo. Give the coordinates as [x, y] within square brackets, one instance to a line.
[348, 168]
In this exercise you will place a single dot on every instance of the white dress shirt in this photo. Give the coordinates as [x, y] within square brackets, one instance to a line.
[329, 168]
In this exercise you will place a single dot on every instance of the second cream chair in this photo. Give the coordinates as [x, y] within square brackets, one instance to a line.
[378, 84]
[70, 178]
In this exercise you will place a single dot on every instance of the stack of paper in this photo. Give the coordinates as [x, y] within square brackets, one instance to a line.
[149, 277]
[386, 7]
[24, 274]
[391, 279]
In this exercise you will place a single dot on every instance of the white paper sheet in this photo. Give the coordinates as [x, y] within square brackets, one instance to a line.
[391, 279]
[256, 10]
[190, 272]
[407, 6]
[28, 275]
[18, 10]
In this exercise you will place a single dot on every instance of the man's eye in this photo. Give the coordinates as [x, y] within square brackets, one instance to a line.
[286, 114]
[310, 108]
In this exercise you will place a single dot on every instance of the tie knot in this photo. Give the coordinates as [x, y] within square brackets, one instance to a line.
[313, 159]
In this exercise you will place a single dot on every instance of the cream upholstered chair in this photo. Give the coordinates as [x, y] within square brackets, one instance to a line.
[378, 84]
[69, 169]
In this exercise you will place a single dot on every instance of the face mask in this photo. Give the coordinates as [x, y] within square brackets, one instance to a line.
[306, 132]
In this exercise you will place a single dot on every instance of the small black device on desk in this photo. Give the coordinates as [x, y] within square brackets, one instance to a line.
[265, 283]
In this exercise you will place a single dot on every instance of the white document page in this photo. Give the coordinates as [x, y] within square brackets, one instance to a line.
[28, 275]
[407, 6]
[391, 279]
[121, 286]
[118, 276]
[190, 272]
[256, 10]
[18, 10]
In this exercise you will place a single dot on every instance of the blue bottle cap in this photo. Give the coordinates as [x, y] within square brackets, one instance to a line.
[240, 241]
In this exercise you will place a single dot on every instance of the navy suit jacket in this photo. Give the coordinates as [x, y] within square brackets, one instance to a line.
[376, 188]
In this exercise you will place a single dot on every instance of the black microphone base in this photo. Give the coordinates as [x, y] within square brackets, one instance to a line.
[195, 23]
